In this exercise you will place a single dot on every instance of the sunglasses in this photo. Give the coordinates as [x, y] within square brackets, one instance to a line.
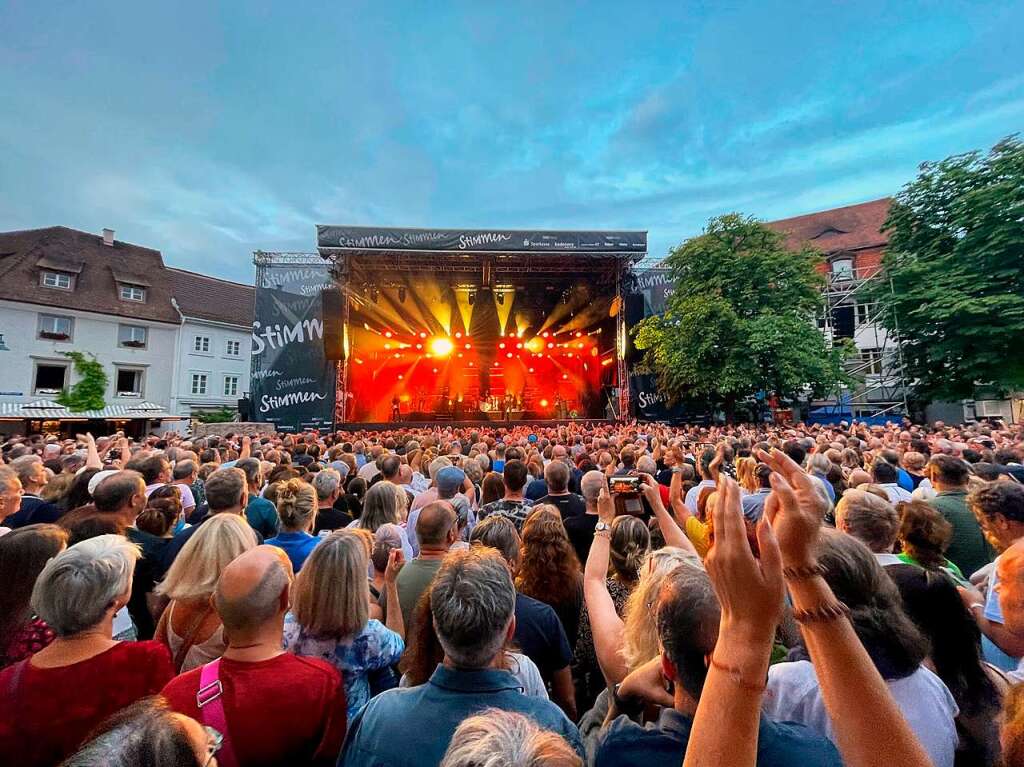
[213, 743]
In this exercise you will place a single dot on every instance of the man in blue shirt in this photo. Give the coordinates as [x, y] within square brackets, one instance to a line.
[687, 619]
[472, 601]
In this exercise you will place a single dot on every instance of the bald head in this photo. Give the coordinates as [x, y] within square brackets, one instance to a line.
[590, 487]
[437, 524]
[253, 590]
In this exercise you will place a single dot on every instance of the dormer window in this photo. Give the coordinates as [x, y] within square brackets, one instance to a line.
[57, 280]
[842, 268]
[132, 292]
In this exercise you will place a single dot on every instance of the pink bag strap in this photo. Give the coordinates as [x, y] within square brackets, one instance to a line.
[210, 700]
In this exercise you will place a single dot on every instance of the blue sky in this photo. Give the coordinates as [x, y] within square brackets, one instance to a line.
[208, 130]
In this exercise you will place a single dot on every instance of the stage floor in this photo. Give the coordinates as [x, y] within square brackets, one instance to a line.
[405, 424]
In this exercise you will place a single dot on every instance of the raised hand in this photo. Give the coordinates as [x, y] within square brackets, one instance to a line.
[795, 509]
[749, 590]
[605, 506]
[396, 561]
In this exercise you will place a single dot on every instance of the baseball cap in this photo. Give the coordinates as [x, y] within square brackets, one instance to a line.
[341, 467]
[449, 480]
[99, 476]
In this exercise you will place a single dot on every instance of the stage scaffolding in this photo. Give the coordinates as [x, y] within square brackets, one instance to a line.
[851, 302]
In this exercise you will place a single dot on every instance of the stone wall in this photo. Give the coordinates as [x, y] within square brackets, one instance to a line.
[220, 429]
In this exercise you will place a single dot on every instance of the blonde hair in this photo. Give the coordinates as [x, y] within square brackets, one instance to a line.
[640, 630]
[331, 597]
[296, 504]
[197, 568]
[745, 474]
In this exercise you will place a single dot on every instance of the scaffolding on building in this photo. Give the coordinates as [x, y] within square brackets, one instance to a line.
[851, 310]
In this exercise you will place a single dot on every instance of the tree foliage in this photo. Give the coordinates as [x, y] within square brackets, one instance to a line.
[740, 318]
[224, 415]
[956, 260]
[89, 392]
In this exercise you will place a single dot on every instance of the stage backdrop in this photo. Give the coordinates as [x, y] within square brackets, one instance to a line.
[293, 384]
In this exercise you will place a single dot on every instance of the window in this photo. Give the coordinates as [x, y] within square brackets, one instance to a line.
[199, 383]
[55, 327]
[58, 280]
[201, 344]
[234, 348]
[132, 336]
[230, 386]
[132, 292]
[842, 269]
[129, 382]
[871, 360]
[50, 378]
[864, 312]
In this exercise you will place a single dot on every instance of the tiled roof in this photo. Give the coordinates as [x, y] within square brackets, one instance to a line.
[24, 254]
[97, 270]
[850, 228]
[208, 298]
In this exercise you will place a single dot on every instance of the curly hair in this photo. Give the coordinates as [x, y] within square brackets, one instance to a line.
[924, 534]
[548, 567]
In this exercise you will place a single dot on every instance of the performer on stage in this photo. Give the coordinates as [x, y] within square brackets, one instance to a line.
[396, 409]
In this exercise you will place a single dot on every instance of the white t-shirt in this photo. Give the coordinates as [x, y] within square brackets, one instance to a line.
[793, 695]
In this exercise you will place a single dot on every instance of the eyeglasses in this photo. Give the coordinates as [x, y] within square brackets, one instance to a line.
[213, 743]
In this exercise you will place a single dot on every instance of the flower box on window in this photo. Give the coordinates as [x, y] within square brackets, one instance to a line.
[54, 336]
[134, 344]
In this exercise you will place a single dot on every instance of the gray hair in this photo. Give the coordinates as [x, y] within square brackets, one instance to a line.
[380, 506]
[647, 465]
[472, 600]
[78, 586]
[326, 482]
[590, 486]
[24, 466]
[496, 738]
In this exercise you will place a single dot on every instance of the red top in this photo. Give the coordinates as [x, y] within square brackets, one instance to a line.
[286, 710]
[46, 713]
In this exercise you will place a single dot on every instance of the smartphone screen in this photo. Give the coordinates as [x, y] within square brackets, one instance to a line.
[623, 484]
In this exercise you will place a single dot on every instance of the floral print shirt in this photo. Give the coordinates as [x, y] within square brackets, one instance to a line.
[375, 647]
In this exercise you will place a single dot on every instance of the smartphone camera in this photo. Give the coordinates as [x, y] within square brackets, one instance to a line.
[620, 485]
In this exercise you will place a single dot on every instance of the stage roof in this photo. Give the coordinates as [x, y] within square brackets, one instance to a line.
[332, 239]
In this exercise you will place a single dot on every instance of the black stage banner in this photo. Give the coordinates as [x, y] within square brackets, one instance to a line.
[293, 384]
[479, 240]
[648, 403]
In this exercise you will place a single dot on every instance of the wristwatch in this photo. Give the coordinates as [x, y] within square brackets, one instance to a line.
[602, 526]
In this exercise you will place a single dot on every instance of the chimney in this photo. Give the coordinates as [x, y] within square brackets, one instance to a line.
[108, 237]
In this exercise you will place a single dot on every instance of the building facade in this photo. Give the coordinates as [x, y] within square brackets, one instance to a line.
[62, 290]
[853, 244]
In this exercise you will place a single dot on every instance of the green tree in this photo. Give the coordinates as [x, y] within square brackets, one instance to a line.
[740, 318]
[89, 392]
[956, 261]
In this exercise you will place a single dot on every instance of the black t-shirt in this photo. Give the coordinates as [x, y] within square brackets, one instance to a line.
[570, 505]
[580, 530]
[540, 636]
[331, 519]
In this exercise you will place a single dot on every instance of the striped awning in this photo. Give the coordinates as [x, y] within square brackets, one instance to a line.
[52, 411]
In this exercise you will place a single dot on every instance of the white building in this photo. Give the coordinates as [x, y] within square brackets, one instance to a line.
[63, 290]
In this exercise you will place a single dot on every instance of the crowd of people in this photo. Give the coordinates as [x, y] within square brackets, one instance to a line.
[601, 594]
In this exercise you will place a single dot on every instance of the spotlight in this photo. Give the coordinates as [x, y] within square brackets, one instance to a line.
[442, 347]
[422, 334]
[387, 347]
[471, 364]
[565, 376]
[387, 334]
[397, 355]
[519, 346]
[419, 346]
[551, 345]
[530, 370]
[543, 403]
[509, 355]
[495, 363]
[458, 334]
[544, 334]
[400, 376]
[401, 295]
[468, 346]
[435, 370]
[578, 334]
[535, 345]
[501, 345]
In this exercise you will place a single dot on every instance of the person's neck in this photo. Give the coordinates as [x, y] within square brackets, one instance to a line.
[33, 489]
[510, 496]
[64, 651]
[592, 510]
[557, 493]
[257, 645]
[433, 550]
[497, 663]
[942, 487]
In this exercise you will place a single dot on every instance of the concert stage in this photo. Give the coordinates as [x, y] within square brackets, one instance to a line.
[477, 327]
[412, 424]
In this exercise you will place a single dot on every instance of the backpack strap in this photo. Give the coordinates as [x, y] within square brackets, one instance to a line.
[210, 700]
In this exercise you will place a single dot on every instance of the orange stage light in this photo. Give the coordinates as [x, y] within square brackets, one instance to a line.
[387, 334]
[458, 334]
[535, 345]
[501, 346]
[565, 376]
[509, 355]
[423, 335]
[545, 334]
[543, 403]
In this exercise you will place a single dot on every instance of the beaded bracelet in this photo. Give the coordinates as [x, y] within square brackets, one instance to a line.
[737, 676]
[823, 613]
[803, 573]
